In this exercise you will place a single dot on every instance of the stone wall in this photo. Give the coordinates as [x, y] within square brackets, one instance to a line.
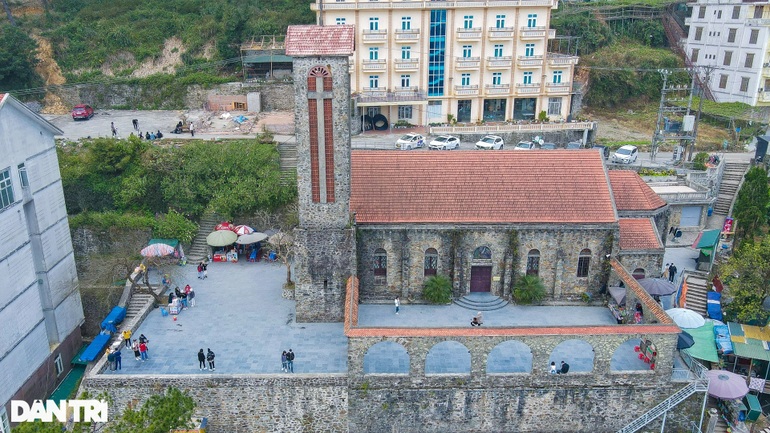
[558, 246]
[91, 245]
[676, 216]
[650, 261]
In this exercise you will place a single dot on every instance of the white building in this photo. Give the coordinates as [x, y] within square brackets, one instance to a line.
[40, 307]
[732, 37]
[418, 61]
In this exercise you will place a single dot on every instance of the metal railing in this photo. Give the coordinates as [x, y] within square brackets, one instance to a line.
[524, 127]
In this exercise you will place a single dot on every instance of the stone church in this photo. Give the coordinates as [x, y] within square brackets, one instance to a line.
[481, 218]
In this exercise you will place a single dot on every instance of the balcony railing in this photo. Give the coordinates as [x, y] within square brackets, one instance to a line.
[499, 62]
[364, 5]
[561, 59]
[758, 21]
[527, 88]
[763, 97]
[374, 65]
[467, 90]
[375, 35]
[409, 35]
[467, 62]
[469, 34]
[536, 33]
[498, 89]
[406, 64]
[381, 95]
[529, 61]
[552, 88]
[500, 32]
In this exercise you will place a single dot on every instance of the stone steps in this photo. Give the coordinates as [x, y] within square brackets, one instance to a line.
[728, 188]
[696, 299]
[200, 249]
[481, 302]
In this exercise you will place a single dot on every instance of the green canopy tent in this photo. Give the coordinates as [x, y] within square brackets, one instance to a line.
[704, 347]
[707, 242]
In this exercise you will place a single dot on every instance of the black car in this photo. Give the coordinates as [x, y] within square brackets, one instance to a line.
[603, 149]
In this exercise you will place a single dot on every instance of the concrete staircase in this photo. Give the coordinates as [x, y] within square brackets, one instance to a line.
[288, 152]
[696, 299]
[481, 302]
[721, 426]
[731, 182]
[200, 249]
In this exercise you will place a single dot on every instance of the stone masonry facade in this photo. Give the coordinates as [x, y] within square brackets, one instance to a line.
[558, 247]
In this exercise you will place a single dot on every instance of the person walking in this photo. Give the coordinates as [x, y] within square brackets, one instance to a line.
[135, 347]
[283, 361]
[143, 351]
[127, 337]
[200, 270]
[665, 271]
[398, 304]
[192, 129]
[290, 361]
[135, 122]
[672, 272]
[191, 297]
[118, 359]
[205, 269]
[210, 358]
[201, 360]
[113, 129]
[111, 359]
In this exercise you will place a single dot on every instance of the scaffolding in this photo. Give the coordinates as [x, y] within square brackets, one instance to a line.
[263, 56]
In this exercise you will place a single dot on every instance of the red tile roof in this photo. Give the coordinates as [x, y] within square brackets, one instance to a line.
[632, 193]
[320, 40]
[638, 234]
[554, 186]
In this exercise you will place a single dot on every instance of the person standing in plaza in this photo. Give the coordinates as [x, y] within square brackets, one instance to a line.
[118, 359]
[135, 122]
[192, 129]
[135, 347]
[113, 129]
[290, 361]
[665, 271]
[127, 337]
[205, 269]
[200, 270]
[201, 360]
[672, 272]
[283, 361]
[191, 297]
[398, 304]
[111, 359]
[210, 358]
[143, 351]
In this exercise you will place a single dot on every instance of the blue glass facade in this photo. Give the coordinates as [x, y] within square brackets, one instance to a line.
[436, 52]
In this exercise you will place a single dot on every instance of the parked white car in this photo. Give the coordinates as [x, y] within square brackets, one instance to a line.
[410, 141]
[625, 155]
[444, 142]
[524, 145]
[490, 142]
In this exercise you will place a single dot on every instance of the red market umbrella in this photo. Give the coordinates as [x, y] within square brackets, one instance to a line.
[224, 225]
[726, 385]
[243, 230]
[157, 250]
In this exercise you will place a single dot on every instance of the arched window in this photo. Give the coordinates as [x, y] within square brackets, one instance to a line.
[638, 273]
[482, 253]
[584, 262]
[431, 262]
[533, 262]
[380, 267]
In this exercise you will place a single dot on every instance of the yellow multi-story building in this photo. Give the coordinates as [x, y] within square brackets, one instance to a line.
[476, 60]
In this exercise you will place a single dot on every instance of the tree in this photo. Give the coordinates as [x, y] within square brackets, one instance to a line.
[283, 241]
[17, 59]
[528, 289]
[751, 205]
[747, 280]
[437, 289]
[159, 414]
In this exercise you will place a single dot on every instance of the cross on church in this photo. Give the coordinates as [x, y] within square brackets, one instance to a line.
[319, 95]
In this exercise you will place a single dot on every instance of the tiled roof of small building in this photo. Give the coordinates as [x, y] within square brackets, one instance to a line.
[638, 234]
[305, 41]
[632, 193]
[555, 186]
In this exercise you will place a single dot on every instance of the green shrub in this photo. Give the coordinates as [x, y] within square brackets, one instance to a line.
[699, 161]
[528, 289]
[174, 225]
[437, 289]
[111, 219]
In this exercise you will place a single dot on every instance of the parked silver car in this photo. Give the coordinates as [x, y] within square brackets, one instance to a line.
[625, 155]
[490, 142]
[410, 141]
[444, 142]
[524, 145]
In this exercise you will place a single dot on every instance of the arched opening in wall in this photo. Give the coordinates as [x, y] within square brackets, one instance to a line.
[533, 262]
[510, 357]
[579, 354]
[431, 262]
[584, 263]
[380, 267]
[448, 357]
[481, 270]
[626, 358]
[482, 253]
[638, 273]
[386, 357]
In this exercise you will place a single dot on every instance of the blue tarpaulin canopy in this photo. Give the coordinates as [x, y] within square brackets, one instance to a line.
[114, 318]
[95, 348]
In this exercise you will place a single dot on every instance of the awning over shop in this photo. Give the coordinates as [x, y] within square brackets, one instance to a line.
[750, 341]
[707, 239]
[704, 347]
[267, 58]
[170, 242]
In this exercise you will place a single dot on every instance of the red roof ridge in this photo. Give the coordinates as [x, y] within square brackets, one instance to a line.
[638, 234]
[312, 40]
[632, 193]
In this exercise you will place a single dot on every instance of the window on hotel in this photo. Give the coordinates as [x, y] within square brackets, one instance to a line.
[58, 364]
[702, 12]
[728, 58]
[554, 106]
[694, 56]
[532, 20]
[736, 12]
[6, 189]
[374, 53]
[374, 23]
[529, 50]
[744, 84]
[528, 78]
[468, 22]
[340, 21]
[500, 21]
[404, 112]
[406, 23]
[698, 33]
[557, 77]
[731, 35]
[405, 80]
[23, 174]
[498, 50]
[719, 14]
[374, 81]
[758, 11]
[497, 78]
[406, 52]
[5, 426]
[754, 36]
[465, 79]
[722, 81]
[584, 263]
[749, 62]
[467, 51]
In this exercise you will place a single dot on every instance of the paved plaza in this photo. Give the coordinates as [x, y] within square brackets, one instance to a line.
[242, 317]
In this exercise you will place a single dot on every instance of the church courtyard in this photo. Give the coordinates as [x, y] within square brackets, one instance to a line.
[242, 317]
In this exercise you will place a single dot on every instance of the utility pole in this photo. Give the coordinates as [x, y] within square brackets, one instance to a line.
[705, 82]
[656, 134]
[675, 122]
